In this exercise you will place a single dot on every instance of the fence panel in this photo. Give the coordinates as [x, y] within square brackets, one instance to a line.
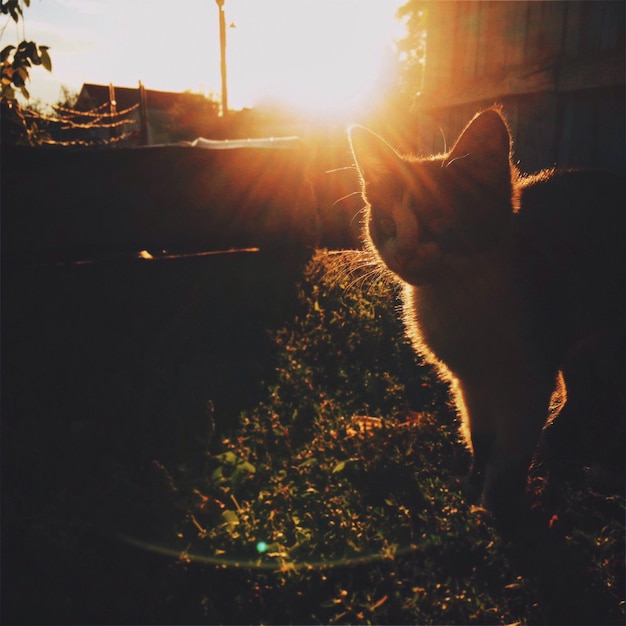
[557, 69]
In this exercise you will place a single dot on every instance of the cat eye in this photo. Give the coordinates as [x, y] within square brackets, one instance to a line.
[426, 234]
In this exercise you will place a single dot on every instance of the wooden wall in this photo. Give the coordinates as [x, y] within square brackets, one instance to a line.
[557, 69]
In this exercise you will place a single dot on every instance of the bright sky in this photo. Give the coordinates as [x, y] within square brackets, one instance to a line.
[321, 55]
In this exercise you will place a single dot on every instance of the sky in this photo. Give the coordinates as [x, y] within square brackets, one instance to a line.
[318, 55]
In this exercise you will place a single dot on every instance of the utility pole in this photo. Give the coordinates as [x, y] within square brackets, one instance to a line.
[220, 6]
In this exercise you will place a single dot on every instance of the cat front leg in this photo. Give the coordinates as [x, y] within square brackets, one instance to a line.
[519, 430]
[479, 433]
[505, 416]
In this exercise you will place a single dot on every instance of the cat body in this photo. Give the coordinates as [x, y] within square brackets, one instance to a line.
[504, 276]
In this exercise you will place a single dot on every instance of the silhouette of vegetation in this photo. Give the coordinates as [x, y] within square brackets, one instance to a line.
[16, 63]
[17, 60]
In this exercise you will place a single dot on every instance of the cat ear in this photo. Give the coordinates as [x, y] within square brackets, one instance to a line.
[484, 145]
[374, 157]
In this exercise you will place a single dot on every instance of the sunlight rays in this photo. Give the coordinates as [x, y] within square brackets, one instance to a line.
[320, 57]
[323, 58]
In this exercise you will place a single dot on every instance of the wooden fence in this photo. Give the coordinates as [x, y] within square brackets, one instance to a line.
[557, 69]
[66, 203]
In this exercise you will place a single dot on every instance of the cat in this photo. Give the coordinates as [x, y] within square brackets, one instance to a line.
[504, 276]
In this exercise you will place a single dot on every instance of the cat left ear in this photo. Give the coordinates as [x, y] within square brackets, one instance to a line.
[374, 157]
[485, 143]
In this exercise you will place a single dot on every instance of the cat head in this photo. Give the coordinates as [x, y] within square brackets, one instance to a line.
[424, 213]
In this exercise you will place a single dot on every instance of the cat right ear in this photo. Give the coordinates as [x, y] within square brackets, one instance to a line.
[374, 157]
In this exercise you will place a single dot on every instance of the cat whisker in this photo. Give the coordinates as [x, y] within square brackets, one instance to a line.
[341, 169]
[360, 266]
[359, 214]
[446, 164]
[354, 193]
[443, 136]
[373, 277]
[340, 264]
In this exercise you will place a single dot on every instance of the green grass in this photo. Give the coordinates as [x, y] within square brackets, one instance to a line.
[337, 498]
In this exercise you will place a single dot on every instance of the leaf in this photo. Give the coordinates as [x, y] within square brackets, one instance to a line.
[339, 467]
[246, 467]
[31, 51]
[378, 603]
[230, 517]
[6, 51]
[228, 458]
[342, 464]
[45, 58]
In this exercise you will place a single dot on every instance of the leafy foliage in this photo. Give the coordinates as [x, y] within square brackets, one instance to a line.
[17, 61]
[13, 8]
[412, 47]
[15, 64]
[340, 490]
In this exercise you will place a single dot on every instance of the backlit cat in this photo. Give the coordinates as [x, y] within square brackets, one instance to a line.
[504, 276]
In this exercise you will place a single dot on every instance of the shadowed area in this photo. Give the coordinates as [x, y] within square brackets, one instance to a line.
[78, 202]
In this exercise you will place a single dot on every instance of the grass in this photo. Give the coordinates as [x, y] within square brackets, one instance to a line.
[332, 496]
[337, 499]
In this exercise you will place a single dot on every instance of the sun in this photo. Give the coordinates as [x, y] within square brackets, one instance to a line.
[325, 58]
